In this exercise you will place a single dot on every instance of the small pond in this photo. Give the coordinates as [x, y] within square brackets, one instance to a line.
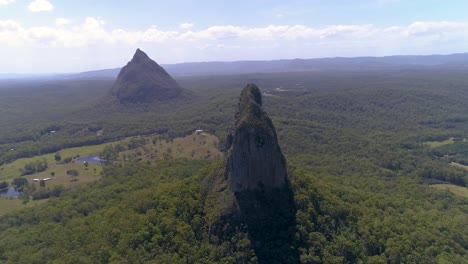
[10, 192]
[91, 159]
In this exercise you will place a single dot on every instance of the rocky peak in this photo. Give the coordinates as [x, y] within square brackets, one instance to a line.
[142, 80]
[140, 56]
[254, 158]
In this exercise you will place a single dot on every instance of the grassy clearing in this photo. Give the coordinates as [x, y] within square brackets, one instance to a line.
[9, 205]
[436, 144]
[12, 170]
[61, 178]
[93, 173]
[459, 165]
[191, 147]
[202, 146]
[457, 190]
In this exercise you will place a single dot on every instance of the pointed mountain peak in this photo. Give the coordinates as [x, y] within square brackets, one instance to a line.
[142, 80]
[254, 159]
[140, 56]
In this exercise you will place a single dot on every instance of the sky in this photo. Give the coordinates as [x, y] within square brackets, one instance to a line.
[54, 36]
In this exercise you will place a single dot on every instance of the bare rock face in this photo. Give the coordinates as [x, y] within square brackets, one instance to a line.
[142, 80]
[255, 160]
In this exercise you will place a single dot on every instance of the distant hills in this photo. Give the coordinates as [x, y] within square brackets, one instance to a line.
[456, 61]
[451, 61]
[142, 80]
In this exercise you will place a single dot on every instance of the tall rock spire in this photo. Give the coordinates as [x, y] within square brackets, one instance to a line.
[254, 158]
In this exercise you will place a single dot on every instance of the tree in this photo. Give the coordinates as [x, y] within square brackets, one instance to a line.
[3, 185]
[42, 183]
[86, 164]
[52, 173]
[111, 153]
[57, 157]
[20, 182]
[73, 173]
[35, 166]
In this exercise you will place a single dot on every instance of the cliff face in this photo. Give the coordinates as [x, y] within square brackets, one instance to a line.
[142, 80]
[253, 198]
[255, 160]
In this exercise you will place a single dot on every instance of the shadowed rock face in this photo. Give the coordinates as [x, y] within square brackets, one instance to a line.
[255, 160]
[142, 80]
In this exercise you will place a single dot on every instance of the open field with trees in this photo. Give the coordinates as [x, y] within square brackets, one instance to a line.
[66, 173]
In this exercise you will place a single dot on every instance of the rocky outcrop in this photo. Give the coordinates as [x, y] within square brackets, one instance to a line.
[253, 198]
[254, 158]
[142, 80]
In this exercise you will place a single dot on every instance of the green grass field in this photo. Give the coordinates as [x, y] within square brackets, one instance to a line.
[12, 170]
[61, 178]
[191, 147]
[8, 205]
[457, 190]
[459, 165]
[436, 144]
[202, 146]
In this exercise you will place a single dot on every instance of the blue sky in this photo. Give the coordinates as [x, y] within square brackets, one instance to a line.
[39, 36]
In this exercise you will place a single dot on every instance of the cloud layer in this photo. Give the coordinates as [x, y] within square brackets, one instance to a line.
[93, 29]
[229, 42]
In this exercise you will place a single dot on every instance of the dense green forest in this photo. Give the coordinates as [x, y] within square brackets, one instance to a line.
[143, 213]
[356, 144]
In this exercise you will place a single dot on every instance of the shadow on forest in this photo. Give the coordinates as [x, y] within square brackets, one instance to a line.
[271, 223]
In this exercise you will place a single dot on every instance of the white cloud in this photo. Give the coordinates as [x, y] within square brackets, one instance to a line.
[229, 42]
[6, 2]
[421, 29]
[40, 5]
[93, 29]
[9, 25]
[93, 23]
[62, 21]
[186, 25]
[155, 35]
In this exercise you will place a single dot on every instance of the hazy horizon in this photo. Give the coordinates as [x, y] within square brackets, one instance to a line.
[49, 36]
[8, 75]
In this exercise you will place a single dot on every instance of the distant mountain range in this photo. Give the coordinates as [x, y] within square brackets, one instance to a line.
[339, 63]
[456, 61]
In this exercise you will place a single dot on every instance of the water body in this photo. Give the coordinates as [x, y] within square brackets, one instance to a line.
[91, 159]
[11, 192]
